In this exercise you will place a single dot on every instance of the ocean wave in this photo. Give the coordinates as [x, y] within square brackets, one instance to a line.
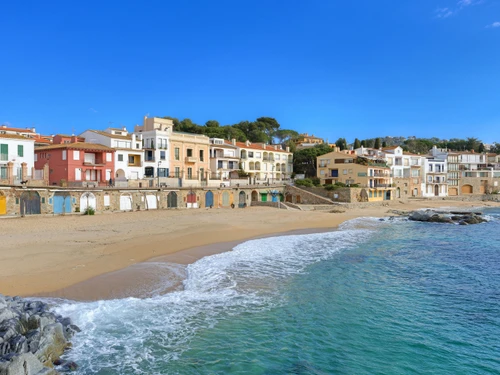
[139, 335]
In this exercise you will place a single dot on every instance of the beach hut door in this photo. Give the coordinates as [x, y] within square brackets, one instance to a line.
[3, 205]
[62, 203]
[242, 201]
[172, 200]
[30, 203]
[209, 199]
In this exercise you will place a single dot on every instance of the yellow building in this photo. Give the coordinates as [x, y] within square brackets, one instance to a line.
[371, 174]
[189, 156]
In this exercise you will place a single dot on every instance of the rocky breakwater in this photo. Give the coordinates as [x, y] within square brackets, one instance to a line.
[452, 217]
[32, 338]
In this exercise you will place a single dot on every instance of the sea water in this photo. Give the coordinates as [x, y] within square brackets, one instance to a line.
[374, 297]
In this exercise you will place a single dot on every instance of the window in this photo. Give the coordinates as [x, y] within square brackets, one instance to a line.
[162, 172]
[322, 172]
[162, 155]
[3, 173]
[120, 157]
[78, 174]
[201, 155]
[64, 154]
[131, 159]
[189, 152]
[277, 157]
[109, 156]
[344, 171]
[137, 145]
[219, 164]
[250, 154]
[20, 150]
[149, 172]
[257, 154]
[4, 152]
[177, 172]
[76, 155]
[190, 172]
[176, 151]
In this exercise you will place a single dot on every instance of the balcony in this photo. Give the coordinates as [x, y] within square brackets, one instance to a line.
[190, 159]
[93, 164]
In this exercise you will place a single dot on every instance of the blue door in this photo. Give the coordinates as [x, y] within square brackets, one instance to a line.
[275, 198]
[62, 204]
[209, 199]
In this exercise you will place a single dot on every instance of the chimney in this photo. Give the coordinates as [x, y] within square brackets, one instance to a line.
[247, 142]
[74, 139]
[287, 149]
[276, 147]
[233, 141]
[33, 130]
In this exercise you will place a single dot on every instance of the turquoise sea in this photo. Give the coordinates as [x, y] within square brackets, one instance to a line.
[374, 297]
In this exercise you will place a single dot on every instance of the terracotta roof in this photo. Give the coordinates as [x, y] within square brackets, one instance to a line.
[16, 136]
[42, 140]
[257, 146]
[390, 148]
[77, 146]
[4, 127]
[109, 135]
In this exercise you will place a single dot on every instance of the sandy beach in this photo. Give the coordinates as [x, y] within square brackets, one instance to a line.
[94, 257]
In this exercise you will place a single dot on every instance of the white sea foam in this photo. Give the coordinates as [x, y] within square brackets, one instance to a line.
[137, 335]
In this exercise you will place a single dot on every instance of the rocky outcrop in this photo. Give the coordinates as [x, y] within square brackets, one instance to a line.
[462, 218]
[31, 337]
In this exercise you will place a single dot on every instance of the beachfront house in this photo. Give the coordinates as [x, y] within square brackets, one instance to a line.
[16, 158]
[74, 162]
[368, 172]
[128, 156]
[224, 159]
[264, 163]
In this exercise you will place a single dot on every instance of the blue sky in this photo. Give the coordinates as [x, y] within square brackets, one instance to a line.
[331, 68]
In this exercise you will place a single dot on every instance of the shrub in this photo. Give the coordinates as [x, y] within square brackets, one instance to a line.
[89, 211]
[316, 181]
[305, 182]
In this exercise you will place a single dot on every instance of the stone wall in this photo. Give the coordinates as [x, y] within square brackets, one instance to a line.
[297, 195]
[111, 199]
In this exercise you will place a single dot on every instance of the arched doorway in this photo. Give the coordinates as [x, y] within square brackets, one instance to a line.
[3, 204]
[398, 193]
[467, 189]
[120, 175]
[30, 203]
[242, 200]
[87, 200]
[209, 199]
[191, 200]
[172, 200]
[126, 202]
[225, 199]
[436, 190]
[363, 195]
[61, 202]
[387, 196]
[452, 191]
[289, 198]
[255, 196]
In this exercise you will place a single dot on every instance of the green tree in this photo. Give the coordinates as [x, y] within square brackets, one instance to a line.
[377, 143]
[285, 135]
[341, 143]
[384, 144]
[304, 161]
[481, 148]
[212, 124]
[357, 143]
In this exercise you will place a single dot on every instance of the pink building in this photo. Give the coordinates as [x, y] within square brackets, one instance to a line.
[73, 162]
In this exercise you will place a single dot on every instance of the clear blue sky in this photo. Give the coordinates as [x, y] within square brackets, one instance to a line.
[332, 68]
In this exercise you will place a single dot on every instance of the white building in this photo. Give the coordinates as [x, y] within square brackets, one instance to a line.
[264, 163]
[156, 133]
[17, 154]
[128, 155]
[435, 178]
[224, 159]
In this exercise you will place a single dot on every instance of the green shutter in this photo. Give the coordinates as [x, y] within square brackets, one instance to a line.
[20, 150]
[4, 152]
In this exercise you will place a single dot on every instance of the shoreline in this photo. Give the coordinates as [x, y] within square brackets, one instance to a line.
[86, 257]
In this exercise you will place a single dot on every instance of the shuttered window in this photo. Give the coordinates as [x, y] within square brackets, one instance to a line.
[4, 152]
[20, 150]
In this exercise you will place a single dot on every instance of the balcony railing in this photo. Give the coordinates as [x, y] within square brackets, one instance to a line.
[190, 159]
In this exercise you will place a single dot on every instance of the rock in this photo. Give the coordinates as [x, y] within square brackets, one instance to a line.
[445, 217]
[66, 366]
[52, 344]
[24, 364]
[6, 314]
